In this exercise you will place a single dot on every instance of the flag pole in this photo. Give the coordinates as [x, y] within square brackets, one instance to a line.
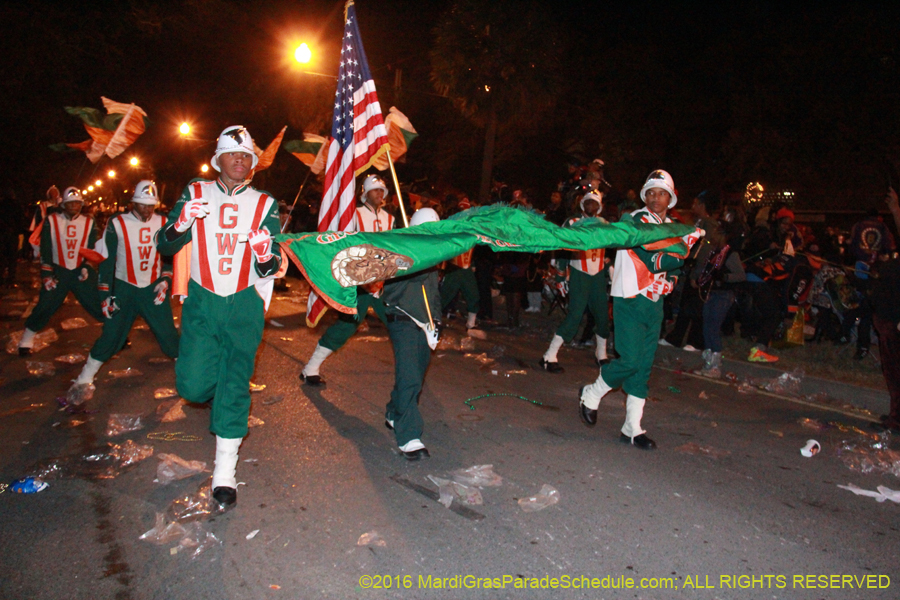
[397, 185]
[302, 185]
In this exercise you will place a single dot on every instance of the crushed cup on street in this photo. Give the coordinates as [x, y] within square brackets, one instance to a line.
[129, 372]
[478, 476]
[811, 448]
[161, 393]
[371, 538]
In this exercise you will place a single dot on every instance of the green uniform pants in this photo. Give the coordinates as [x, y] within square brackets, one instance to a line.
[49, 301]
[343, 329]
[411, 358]
[133, 302]
[637, 322]
[460, 280]
[586, 292]
[219, 339]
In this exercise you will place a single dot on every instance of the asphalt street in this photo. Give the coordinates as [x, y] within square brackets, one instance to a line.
[726, 507]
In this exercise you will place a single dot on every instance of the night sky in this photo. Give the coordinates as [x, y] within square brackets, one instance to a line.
[801, 98]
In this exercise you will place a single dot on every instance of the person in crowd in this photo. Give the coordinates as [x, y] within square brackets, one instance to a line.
[588, 276]
[65, 238]
[233, 261]
[133, 281]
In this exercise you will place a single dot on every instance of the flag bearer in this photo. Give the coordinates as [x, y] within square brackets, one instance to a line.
[133, 281]
[369, 217]
[641, 278]
[233, 259]
[65, 236]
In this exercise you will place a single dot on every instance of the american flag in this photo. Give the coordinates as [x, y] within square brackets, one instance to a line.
[358, 136]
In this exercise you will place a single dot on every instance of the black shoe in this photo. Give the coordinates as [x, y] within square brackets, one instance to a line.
[551, 367]
[416, 454]
[24, 351]
[602, 362]
[225, 496]
[588, 416]
[389, 424]
[641, 441]
[312, 380]
[861, 353]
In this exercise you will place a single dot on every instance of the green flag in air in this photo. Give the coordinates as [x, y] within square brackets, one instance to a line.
[336, 262]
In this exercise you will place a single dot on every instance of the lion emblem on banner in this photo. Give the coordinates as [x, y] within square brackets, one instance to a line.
[359, 265]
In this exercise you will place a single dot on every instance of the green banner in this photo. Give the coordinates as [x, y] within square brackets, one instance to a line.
[336, 262]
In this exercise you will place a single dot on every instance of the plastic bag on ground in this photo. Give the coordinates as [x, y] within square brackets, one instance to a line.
[255, 421]
[466, 344]
[883, 493]
[100, 463]
[79, 394]
[71, 359]
[196, 506]
[41, 340]
[477, 476]
[121, 423]
[197, 538]
[497, 351]
[786, 383]
[171, 411]
[73, 323]
[40, 369]
[371, 538]
[448, 342]
[172, 468]
[450, 490]
[163, 532]
[129, 372]
[548, 496]
[162, 393]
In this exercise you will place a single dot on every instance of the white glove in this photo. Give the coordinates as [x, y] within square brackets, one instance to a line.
[161, 288]
[83, 275]
[50, 283]
[691, 238]
[109, 307]
[261, 243]
[194, 209]
[661, 287]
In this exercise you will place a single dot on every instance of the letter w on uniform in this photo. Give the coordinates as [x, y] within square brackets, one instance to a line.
[226, 242]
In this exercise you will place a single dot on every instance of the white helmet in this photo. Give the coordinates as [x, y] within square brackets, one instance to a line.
[595, 196]
[234, 139]
[72, 194]
[424, 215]
[374, 182]
[145, 193]
[662, 180]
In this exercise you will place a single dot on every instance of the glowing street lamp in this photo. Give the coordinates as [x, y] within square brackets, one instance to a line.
[134, 161]
[184, 129]
[111, 174]
[303, 54]
[90, 188]
[204, 168]
[98, 183]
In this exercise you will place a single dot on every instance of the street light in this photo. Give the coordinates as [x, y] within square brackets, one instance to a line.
[134, 161]
[184, 129]
[111, 174]
[90, 188]
[204, 168]
[98, 183]
[303, 54]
